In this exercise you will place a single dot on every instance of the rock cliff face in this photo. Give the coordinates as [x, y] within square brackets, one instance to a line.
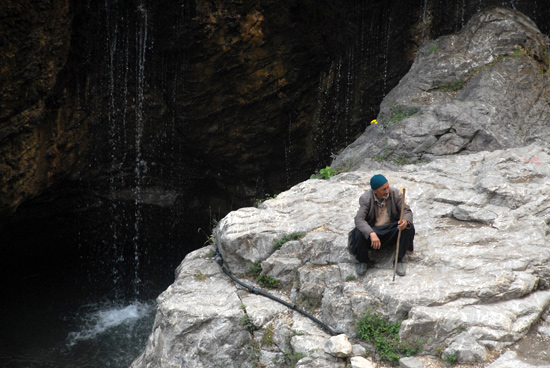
[452, 98]
[193, 95]
[213, 104]
[36, 145]
[479, 277]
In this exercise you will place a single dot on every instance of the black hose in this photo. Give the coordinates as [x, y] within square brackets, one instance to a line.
[219, 260]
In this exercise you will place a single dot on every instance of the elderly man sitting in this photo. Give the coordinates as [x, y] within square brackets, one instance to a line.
[377, 224]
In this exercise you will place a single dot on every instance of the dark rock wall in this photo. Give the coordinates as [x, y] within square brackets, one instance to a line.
[34, 149]
[134, 119]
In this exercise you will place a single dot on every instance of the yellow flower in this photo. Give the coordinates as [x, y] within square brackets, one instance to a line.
[374, 122]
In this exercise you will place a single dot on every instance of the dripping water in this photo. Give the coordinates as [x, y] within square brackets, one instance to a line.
[386, 56]
[140, 164]
[424, 19]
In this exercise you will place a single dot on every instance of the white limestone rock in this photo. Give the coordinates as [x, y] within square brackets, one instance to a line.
[338, 346]
[511, 360]
[410, 362]
[360, 362]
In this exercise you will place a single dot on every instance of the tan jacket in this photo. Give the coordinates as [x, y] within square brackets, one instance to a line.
[366, 216]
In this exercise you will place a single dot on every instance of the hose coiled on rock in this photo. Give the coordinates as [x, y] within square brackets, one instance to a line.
[219, 260]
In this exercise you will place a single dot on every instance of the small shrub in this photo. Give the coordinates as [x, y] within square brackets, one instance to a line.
[325, 173]
[385, 337]
[254, 352]
[268, 282]
[351, 278]
[291, 358]
[246, 322]
[267, 338]
[278, 243]
[255, 269]
[450, 359]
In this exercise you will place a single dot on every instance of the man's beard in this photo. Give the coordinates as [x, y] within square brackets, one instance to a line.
[382, 200]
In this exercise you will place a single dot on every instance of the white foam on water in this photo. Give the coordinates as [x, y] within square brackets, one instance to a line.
[104, 319]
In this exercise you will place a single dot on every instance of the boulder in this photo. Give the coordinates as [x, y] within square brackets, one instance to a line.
[338, 346]
[483, 88]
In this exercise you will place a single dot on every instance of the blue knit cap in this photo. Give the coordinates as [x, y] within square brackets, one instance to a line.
[377, 181]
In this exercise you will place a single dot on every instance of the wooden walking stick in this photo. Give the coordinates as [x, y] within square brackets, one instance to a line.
[402, 193]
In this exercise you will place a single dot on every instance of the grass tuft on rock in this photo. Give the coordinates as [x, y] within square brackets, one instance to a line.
[384, 335]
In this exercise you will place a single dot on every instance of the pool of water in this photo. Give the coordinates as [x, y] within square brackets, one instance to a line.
[79, 290]
[59, 320]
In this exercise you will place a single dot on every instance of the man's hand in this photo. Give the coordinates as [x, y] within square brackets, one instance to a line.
[374, 240]
[402, 224]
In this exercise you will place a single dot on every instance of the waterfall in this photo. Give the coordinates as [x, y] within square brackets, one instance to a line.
[125, 136]
[140, 164]
[114, 119]
[119, 320]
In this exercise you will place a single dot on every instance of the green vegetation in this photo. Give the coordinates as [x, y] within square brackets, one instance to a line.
[254, 352]
[397, 113]
[210, 239]
[450, 86]
[385, 337]
[268, 282]
[545, 63]
[267, 338]
[199, 276]
[278, 243]
[329, 172]
[254, 269]
[432, 49]
[351, 278]
[291, 358]
[325, 173]
[450, 359]
[267, 197]
[246, 322]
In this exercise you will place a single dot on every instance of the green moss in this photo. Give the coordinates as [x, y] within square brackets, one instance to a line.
[451, 86]
[397, 113]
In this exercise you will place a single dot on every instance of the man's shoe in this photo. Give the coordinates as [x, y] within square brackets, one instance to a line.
[361, 269]
[401, 269]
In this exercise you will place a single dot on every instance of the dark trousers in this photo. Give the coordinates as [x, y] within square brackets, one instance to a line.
[388, 238]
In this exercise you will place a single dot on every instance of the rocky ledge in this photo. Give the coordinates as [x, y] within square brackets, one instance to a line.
[479, 278]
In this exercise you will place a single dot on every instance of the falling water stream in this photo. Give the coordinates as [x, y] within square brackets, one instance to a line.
[67, 313]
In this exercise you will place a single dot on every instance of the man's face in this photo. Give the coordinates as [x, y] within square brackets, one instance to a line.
[383, 191]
